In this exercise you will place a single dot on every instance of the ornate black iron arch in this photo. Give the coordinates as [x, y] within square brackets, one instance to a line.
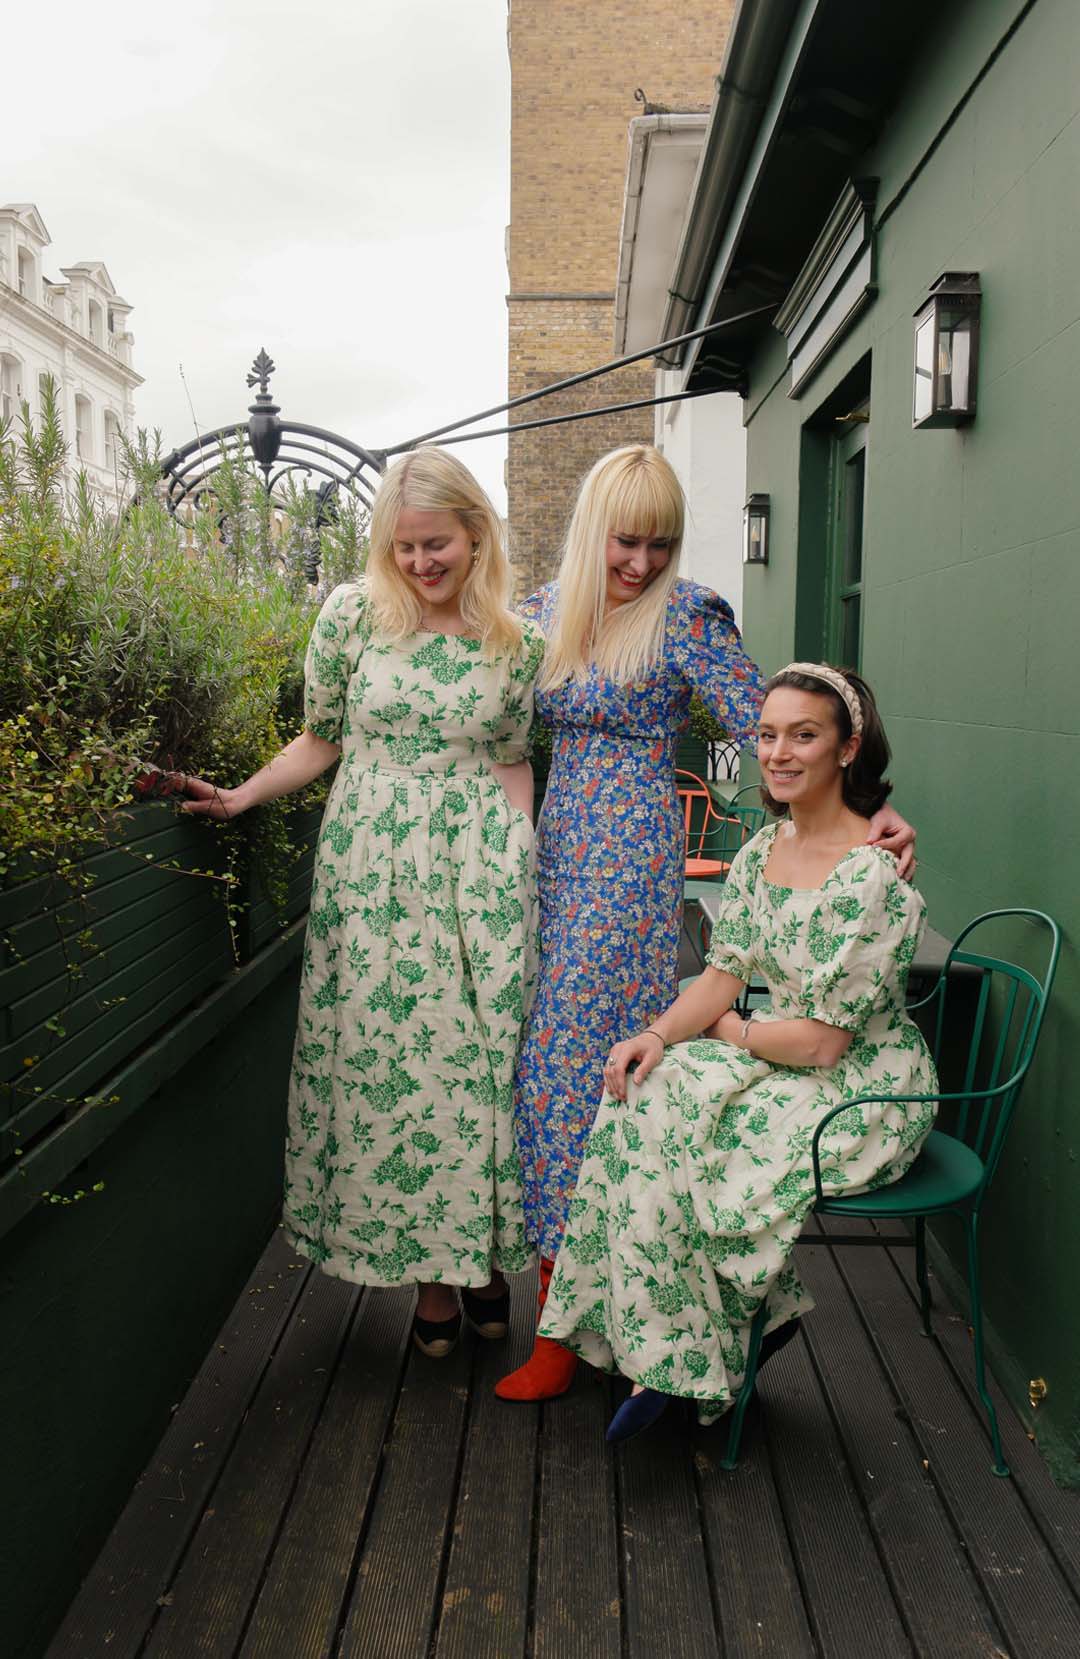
[278, 448]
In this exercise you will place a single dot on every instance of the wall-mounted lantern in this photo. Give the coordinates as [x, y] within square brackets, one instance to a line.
[947, 351]
[756, 531]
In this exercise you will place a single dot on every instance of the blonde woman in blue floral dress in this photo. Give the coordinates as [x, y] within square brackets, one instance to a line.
[697, 1176]
[419, 960]
[629, 642]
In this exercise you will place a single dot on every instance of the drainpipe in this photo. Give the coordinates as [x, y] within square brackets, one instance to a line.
[758, 33]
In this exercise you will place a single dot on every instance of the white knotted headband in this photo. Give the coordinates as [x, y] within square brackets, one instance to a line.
[831, 677]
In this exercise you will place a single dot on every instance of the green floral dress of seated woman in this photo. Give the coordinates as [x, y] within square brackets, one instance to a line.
[693, 1191]
[419, 960]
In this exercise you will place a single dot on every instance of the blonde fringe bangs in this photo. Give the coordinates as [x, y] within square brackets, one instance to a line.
[634, 491]
[433, 481]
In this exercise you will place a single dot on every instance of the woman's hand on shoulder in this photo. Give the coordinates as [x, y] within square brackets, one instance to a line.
[895, 835]
[207, 800]
[643, 1051]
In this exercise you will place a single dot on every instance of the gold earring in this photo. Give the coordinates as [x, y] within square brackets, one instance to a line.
[476, 553]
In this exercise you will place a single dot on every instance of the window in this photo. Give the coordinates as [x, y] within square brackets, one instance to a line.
[95, 322]
[112, 442]
[10, 386]
[27, 275]
[84, 428]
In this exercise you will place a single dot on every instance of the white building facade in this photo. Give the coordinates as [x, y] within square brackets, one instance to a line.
[74, 329]
[703, 438]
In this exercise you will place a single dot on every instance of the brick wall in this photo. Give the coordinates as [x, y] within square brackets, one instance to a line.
[574, 67]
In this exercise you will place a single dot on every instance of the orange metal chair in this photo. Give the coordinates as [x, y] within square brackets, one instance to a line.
[703, 824]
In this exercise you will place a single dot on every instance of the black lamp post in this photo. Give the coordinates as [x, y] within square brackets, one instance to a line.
[947, 351]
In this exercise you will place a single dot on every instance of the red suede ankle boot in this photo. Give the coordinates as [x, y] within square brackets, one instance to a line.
[550, 1368]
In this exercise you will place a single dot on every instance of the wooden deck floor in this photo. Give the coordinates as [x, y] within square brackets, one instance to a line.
[325, 1490]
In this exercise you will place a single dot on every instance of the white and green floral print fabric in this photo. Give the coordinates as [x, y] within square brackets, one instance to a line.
[419, 960]
[693, 1190]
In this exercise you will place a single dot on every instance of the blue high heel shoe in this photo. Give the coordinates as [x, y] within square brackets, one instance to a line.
[636, 1414]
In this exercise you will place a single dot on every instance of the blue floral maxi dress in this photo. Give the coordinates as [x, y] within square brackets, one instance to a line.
[419, 959]
[610, 849]
[694, 1189]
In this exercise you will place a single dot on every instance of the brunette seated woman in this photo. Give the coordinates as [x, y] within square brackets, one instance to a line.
[697, 1177]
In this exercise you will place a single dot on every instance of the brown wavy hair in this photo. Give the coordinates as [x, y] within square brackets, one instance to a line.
[864, 784]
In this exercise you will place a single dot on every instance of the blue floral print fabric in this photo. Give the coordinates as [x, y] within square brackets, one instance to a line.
[610, 851]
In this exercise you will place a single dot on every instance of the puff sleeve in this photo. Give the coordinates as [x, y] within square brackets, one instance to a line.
[731, 947]
[706, 648]
[510, 743]
[860, 942]
[332, 653]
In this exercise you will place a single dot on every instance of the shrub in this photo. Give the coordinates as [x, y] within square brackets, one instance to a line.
[129, 640]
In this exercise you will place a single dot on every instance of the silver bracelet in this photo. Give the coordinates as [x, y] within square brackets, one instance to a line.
[744, 1035]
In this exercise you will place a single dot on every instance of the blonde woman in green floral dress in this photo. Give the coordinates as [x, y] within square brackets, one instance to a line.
[697, 1177]
[419, 961]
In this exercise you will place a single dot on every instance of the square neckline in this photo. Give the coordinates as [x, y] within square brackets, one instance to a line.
[782, 886]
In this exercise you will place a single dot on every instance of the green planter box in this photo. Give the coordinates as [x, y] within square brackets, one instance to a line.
[89, 977]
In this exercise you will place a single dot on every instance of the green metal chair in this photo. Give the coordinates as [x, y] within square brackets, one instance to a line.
[953, 1171]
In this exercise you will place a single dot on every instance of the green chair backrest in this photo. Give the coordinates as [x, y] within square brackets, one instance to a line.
[1004, 1029]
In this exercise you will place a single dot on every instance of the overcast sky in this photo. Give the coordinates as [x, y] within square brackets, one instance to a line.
[328, 179]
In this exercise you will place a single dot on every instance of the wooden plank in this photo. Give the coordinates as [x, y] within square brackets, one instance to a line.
[398, 1586]
[758, 1597]
[484, 1610]
[207, 1604]
[936, 1593]
[1031, 1600]
[577, 1600]
[299, 1606]
[118, 1600]
[1054, 1510]
[846, 1593]
[56, 953]
[98, 1039]
[53, 1158]
[75, 1001]
[668, 1597]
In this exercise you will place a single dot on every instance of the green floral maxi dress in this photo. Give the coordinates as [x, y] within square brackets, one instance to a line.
[693, 1190]
[419, 960]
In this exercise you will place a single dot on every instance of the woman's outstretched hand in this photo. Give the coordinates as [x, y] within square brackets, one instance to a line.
[646, 1049]
[894, 835]
[207, 800]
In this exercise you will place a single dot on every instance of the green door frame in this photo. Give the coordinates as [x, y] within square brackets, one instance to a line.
[844, 557]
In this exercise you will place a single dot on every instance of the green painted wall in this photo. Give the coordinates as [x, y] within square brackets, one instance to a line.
[107, 1307]
[972, 584]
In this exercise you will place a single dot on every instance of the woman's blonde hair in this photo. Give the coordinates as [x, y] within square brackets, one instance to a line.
[635, 492]
[435, 482]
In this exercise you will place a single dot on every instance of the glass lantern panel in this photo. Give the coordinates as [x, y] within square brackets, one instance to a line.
[960, 394]
[924, 369]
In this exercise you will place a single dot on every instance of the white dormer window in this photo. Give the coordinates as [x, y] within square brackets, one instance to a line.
[94, 314]
[27, 275]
